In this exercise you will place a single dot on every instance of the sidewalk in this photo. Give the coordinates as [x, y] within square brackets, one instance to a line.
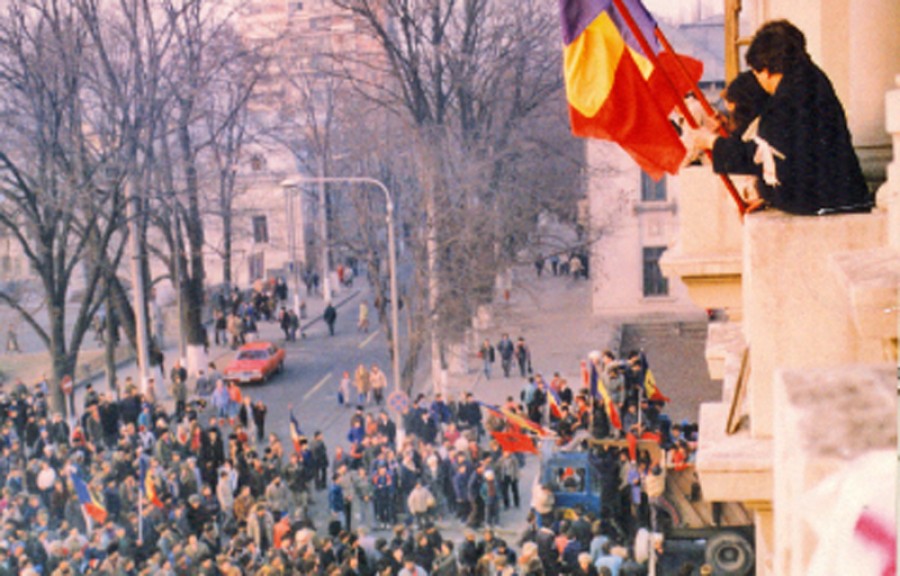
[553, 314]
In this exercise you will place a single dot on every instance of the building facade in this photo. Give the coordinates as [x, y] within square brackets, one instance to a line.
[633, 218]
[806, 433]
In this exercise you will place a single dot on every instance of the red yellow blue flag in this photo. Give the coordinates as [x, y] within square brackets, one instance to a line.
[599, 392]
[516, 419]
[90, 503]
[555, 403]
[296, 433]
[148, 483]
[618, 92]
[651, 390]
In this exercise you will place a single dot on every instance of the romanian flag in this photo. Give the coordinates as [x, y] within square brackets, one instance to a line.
[555, 403]
[599, 391]
[90, 503]
[148, 483]
[296, 433]
[515, 441]
[516, 419]
[615, 91]
[651, 390]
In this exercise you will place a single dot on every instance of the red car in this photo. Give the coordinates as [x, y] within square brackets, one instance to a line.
[255, 362]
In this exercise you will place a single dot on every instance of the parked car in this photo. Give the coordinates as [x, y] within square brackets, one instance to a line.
[255, 362]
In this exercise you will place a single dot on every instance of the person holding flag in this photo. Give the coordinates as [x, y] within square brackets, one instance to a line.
[297, 437]
[799, 147]
[91, 505]
[148, 482]
[599, 392]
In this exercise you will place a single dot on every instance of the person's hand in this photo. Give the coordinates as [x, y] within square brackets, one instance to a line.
[705, 138]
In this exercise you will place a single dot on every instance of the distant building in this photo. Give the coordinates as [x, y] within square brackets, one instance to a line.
[635, 218]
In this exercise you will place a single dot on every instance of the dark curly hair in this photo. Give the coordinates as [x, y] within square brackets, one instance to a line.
[778, 46]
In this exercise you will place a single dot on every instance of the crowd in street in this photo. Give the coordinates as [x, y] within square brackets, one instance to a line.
[133, 488]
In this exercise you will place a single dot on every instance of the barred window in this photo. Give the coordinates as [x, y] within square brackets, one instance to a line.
[655, 284]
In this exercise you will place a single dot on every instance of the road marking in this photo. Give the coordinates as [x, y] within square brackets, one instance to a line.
[365, 342]
[318, 385]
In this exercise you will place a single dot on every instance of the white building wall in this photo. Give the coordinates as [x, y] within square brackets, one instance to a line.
[624, 226]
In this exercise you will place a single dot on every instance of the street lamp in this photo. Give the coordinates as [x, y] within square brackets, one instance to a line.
[392, 250]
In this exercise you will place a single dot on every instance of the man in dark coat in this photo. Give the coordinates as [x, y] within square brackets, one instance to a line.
[800, 149]
[330, 317]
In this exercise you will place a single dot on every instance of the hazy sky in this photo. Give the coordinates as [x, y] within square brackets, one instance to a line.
[679, 10]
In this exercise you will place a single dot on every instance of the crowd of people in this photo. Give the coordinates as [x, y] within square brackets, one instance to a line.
[203, 489]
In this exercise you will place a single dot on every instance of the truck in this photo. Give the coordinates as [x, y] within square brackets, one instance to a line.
[718, 534]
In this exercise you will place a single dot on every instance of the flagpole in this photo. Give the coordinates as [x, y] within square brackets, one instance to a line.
[141, 513]
[701, 97]
[692, 122]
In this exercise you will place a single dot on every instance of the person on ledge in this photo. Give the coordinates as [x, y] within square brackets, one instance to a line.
[799, 147]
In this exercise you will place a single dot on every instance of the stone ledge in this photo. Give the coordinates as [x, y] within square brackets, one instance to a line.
[702, 266]
[871, 279]
[735, 468]
[713, 281]
[723, 339]
[859, 404]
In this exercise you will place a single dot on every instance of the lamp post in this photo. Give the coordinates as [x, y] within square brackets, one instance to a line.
[392, 252]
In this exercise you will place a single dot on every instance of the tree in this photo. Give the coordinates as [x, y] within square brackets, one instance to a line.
[472, 81]
[54, 197]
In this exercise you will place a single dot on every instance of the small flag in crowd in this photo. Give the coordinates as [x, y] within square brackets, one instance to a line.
[515, 441]
[651, 390]
[148, 483]
[555, 403]
[599, 392]
[296, 433]
[90, 503]
[618, 92]
[516, 419]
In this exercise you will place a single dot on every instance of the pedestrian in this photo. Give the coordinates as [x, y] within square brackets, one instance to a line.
[12, 340]
[330, 317]
[259, 410]
[539, 264]
[490, 493]
[383, 497]
[362, 383]
[220, 326]
[178, 378]
[377, 383]
[294, 325]
[363, 325]
[506, 349]
[319, 456]
[284, 320]
[343, 392]
[486, 353]
[523, 357]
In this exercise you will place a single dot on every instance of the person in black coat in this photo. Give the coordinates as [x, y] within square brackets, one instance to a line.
[330, 317]
[800, 147]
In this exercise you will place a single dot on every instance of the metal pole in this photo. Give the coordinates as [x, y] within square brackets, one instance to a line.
[395, 296]
[323, 223]
[292, 248]
[137, 283]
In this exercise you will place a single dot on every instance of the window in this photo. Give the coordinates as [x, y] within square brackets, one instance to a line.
[294, 7]
[260, 230]
[257, 162]
[655, 284]
[257, 266]
[652, 191]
